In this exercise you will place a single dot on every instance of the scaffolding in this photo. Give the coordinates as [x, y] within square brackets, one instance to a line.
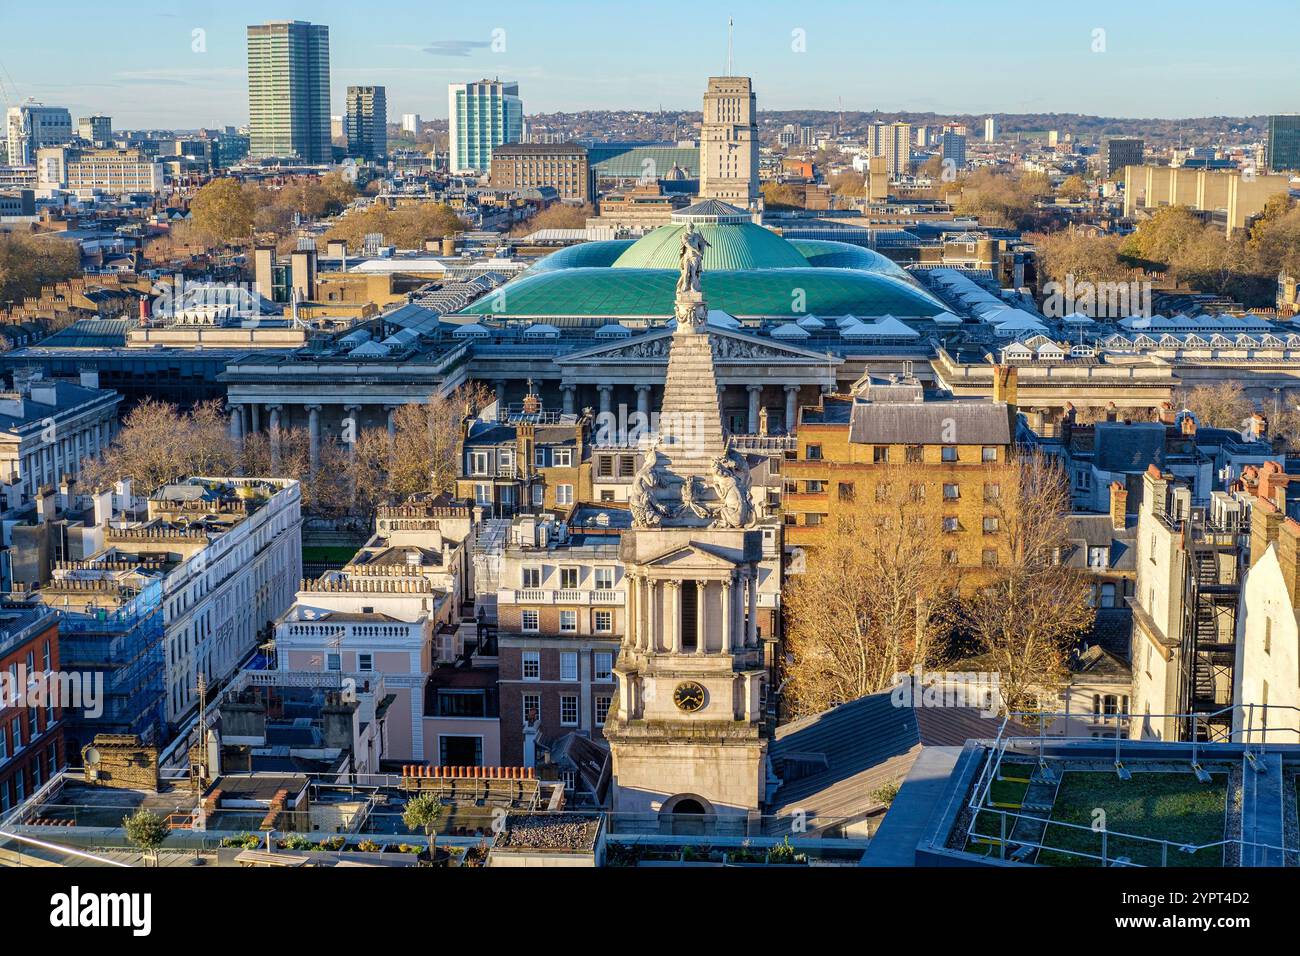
[124, 644]
[1211, 590]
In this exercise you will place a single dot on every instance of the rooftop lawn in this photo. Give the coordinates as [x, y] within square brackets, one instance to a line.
[327, 554]
[1170, 806]
[1007, 794]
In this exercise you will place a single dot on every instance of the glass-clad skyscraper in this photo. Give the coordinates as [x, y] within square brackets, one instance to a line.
[289, 91]
[1283, 142]
[483, 115]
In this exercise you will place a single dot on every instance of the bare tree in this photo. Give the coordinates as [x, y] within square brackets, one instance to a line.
[1030, 608]
[1222, 405]
[157, 443]
[876, 594]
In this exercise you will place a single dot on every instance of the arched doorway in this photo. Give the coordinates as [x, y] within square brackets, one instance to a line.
[686, 815]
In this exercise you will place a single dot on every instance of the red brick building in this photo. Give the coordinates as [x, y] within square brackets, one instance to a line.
[31, 728]
[560, 621]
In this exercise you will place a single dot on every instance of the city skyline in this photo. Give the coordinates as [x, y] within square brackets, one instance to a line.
[797, 60]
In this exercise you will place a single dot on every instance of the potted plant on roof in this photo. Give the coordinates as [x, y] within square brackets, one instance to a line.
[422, 813]
[146, 831]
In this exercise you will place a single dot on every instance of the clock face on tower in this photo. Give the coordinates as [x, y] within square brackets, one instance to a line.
[688, 696]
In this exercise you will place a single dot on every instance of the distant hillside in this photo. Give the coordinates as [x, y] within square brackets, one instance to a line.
[650, 124]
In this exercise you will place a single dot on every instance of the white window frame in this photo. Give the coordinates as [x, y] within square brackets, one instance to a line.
[531, 661]
[569, 702]
[569, 621]
[569, 666]
[524, 617]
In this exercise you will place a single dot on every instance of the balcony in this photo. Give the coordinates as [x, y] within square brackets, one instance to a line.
[559, 596]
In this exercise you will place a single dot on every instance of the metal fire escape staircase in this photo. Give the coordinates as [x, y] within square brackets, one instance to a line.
[1211, 592]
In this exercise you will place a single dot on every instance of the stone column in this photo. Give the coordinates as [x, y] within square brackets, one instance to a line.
[791, 408]
[255, 411]
[273, 430]
[606, 397]
[755, 393]
[351, 426]
[501, 399]
[568, 394]
[643, 400]
[631, 628]
[652, 612]
[728, 599]
[676, 588]
[313, 433]
[237, 425]
[392, 419]
[751, 625]
[829, 388]
[701, 615]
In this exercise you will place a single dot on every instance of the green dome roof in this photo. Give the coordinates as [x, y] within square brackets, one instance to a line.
[582, 255]
[649, 292]
[830, 254]
[732, 245]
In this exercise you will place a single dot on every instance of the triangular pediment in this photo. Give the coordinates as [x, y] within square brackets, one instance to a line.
[695, 556]
[729, 347]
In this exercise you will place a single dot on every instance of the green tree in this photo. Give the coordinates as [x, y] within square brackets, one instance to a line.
[29, 262]
[1073, 189]
[224, 211]
[1158, 239]
[555, 216]
[146, 831]
[1087, 258]
[422, 813]
[406, 226]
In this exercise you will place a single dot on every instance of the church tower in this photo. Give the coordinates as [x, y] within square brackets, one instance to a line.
[686, 732]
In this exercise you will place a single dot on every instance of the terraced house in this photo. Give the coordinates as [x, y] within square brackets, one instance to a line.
[524, 459]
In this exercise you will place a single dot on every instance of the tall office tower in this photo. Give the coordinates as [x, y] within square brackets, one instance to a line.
[411, 123]
[31, 127]
[1120, 151]
[894, 142]
[954, 147]
[481, 116]
[1283, 149]
[289, 91]
[990, 130]
[96, 130]
[367, 122]
[729, 142]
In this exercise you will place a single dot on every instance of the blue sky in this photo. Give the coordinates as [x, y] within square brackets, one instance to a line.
[1161, 58]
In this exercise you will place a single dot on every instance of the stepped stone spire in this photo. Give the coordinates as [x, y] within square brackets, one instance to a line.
[690, 420]
[691, 477]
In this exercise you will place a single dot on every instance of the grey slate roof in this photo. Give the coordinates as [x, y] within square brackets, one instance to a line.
[1129, 448]
[830, 763]
[933, 423]
[1096, 531]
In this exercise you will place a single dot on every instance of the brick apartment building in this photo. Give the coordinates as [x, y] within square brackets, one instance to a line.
[31, 732]
[950, 449]
[560, 621]
[564, 166]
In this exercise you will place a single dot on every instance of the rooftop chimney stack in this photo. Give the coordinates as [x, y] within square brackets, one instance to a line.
[1005, 384]
[1118, 506]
